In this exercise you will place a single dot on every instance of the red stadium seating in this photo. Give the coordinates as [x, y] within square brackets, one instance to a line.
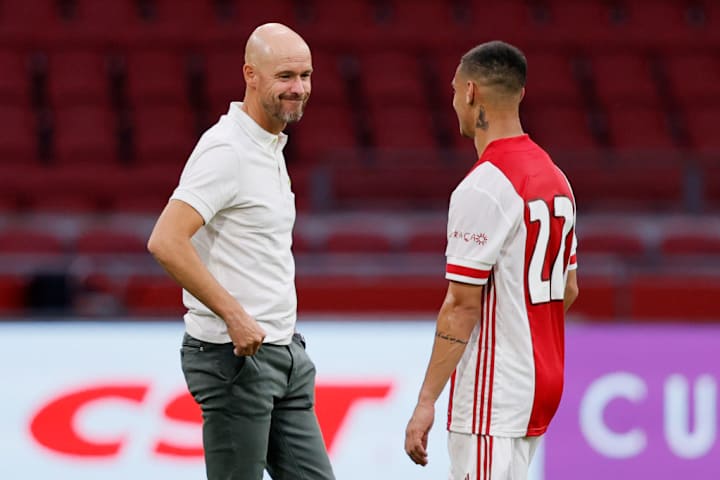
[12, 294]
[148, 295]
[85, 134]
[358, 241]
[693, 78]
[78, 77]
[625, 79]
[586, 24]
[18, 138]
[559, 127]
[322, 130]
[639, 127]
[224, 79]
[109, 242]
[29, 241]
[410, 22]
[403, 127]
[614, 242]
[697, 243]
[551, 80]
[392, 78]
[164, 134]
[627, 187]
[347, 24]
[328, 85]
[427, 242]
[700, 125]
[156, 77]
[684, 297]
[15, 78]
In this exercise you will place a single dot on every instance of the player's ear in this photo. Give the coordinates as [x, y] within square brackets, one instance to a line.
[470, 92]
[522, 93]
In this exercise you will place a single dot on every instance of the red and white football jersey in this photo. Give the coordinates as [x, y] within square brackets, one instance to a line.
[511, 228]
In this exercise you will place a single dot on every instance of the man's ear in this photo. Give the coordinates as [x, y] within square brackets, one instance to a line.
[522, 93]
[249, 74]
[470, 92]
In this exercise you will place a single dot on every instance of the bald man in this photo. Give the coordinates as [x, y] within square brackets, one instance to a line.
[511, 271]
[225, 237]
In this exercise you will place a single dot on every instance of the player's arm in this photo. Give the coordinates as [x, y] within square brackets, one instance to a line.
[170, 244]
[458, 316]
[571, 289]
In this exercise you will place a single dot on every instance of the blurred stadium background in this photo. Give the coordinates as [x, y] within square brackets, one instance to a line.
[101, 102]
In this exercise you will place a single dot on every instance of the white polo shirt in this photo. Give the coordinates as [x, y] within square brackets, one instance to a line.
[237, 181]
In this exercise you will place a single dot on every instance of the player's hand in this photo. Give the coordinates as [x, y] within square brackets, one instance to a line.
[246, 334]
[416, 433]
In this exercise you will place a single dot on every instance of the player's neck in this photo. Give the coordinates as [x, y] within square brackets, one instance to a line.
[496, 128]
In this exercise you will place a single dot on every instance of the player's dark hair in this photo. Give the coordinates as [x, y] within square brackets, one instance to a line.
[497, 64]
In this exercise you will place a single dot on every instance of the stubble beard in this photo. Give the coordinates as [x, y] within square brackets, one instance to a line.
[275, 110]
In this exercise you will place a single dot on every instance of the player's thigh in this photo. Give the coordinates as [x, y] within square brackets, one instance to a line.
[482, 457]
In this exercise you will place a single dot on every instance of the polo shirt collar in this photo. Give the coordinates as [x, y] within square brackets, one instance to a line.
[261, 136]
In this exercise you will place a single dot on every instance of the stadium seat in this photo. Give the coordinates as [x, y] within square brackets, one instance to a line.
[658, 23]
[109, 242]
[625, 79]
[29, 21]
[29, 241]
[78, 77]
[163, 134]
[551, 80]
[697, 243]
[64, 203]
[107, 23]
[427, 242]
[153, 295]
[15, 78]
[223, 79]
[12, 294]
[601, 299]
[392, 78]
[403, 127]
[351, 24]
[627, 187]
[156, 76]
[618, 243]
[18, 137]
[483, 17]
[693, 78]
[700, 125]
[586, 24]
[328, 84]
[674, 297]
[86, 134]
[357, 241]
[186, 16]
[639, 128]
[558, 128]
[322, 130]
[409, 23]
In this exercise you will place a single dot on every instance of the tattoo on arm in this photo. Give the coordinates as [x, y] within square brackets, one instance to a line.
[450, 338]
[482, 122]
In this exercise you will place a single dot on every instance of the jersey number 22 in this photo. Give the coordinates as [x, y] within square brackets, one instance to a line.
[540, 290]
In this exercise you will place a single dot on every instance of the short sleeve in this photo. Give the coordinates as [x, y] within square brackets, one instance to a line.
[209, 181]
[477, 229]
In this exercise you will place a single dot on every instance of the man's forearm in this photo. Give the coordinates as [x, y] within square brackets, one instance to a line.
[454, 326]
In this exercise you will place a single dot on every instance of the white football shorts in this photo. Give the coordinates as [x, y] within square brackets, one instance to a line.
[482, 457]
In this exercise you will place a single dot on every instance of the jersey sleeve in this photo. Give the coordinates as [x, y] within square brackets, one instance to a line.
[209, 181]
[477, 229]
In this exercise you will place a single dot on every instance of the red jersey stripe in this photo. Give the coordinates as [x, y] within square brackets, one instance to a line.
[467, 271]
